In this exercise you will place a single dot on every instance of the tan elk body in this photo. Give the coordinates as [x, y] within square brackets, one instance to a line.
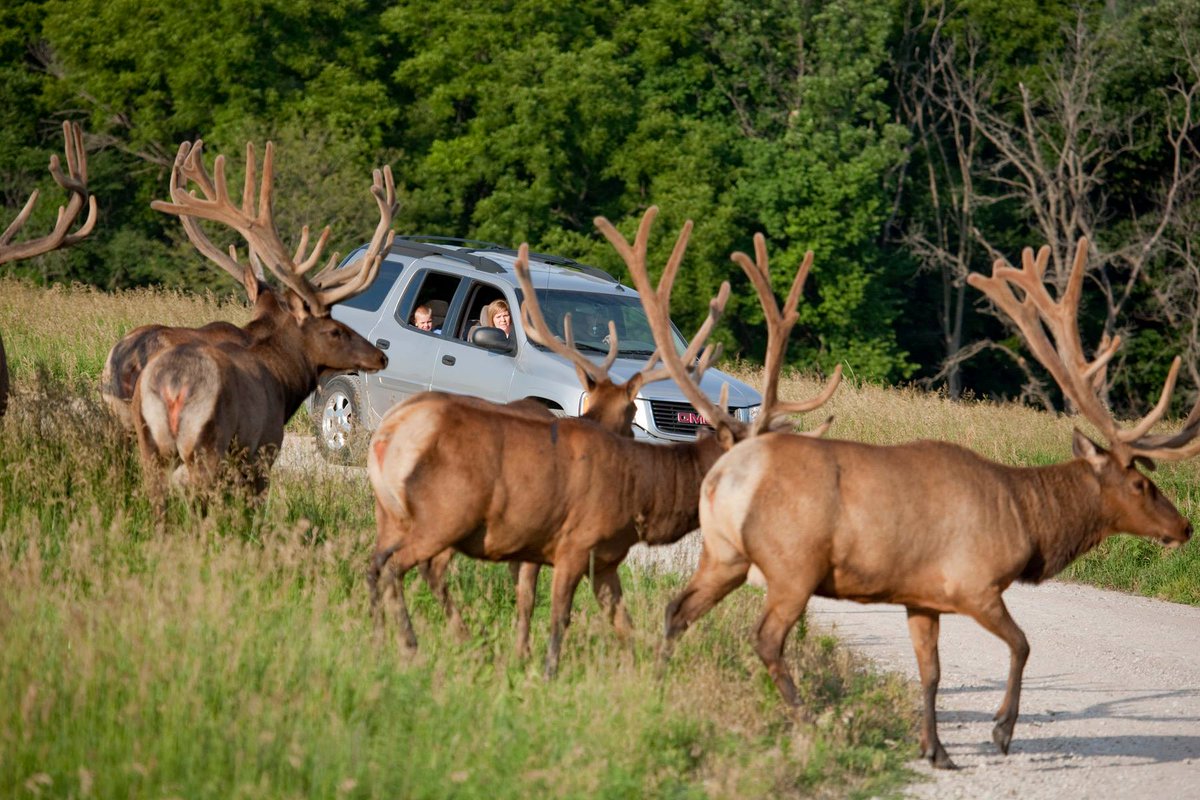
[930, 525]
[575, 493]
[205, 400]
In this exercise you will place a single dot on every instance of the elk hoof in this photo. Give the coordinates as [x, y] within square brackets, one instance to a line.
[941, 760]
[1002, 736]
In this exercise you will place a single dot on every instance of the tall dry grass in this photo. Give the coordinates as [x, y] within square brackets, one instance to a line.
[68, 330]
[232, 656]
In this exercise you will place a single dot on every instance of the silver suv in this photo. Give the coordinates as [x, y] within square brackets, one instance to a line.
[455, 280]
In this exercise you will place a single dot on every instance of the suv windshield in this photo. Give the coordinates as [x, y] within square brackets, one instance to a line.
[590, 314]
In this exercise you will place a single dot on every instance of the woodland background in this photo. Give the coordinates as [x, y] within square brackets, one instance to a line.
[906, 143]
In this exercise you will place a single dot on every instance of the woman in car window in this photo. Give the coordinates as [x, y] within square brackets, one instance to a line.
[501, 317]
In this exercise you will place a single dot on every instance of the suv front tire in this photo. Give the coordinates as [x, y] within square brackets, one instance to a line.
[337, 421]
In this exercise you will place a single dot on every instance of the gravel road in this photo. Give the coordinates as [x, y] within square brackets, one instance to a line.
[1111, 700]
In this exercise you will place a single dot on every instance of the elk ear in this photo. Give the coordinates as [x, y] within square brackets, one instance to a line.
[297, 307]
[585, 380]
[1146, 463]
[250, 281]
[633, 386]
[725, 437]
[1085, 448]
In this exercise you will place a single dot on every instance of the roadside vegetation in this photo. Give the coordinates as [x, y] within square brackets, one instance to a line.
[232, 656]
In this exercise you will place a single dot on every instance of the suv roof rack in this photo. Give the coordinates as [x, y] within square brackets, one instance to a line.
[420, 245]
[476, 244]
[562, 261]
[405, 246]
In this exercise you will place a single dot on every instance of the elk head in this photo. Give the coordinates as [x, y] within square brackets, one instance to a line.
[1131, 501]
[608, 403]
[303, 304]
[688, 368]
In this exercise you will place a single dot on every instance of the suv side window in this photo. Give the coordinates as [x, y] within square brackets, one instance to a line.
[432, 289]
[478, 295]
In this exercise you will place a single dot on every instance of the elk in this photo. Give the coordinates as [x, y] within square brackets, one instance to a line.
[930, 525]
[75, 182]
[511, 486]
[199, 402]
[134, 350]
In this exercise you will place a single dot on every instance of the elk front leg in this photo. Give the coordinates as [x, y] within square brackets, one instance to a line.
[713, 580]
[923, 628]
[606, 586]
[993, 615]
[568, 571]
[526, 576]
[434, 573]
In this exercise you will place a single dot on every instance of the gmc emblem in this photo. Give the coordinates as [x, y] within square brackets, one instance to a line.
[690, 418]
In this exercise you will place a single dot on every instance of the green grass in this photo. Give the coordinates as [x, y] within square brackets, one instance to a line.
[232, 656]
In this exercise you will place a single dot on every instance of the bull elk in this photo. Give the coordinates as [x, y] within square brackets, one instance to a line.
[509, 486]
[129, 356]
[930, 525]
[75, 182]
[199, 402]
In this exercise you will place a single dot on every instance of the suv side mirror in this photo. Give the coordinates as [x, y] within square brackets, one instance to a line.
[492, 339]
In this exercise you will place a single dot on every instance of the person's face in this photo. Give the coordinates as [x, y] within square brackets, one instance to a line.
[503, 321]
[423, 321]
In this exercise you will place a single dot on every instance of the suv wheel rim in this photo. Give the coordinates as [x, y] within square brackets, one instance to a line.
[337, 420]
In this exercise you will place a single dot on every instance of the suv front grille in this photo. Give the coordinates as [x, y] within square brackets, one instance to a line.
[677, 418]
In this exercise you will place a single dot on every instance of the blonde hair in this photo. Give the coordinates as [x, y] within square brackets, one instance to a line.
[490, 311]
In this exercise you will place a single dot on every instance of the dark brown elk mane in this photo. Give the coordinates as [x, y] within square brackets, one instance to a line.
[930, 525]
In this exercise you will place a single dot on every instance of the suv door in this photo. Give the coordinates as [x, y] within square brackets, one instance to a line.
[466, 368]
[415, 352]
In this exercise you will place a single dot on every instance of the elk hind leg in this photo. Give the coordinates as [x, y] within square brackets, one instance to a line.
[434, 572]
[993, 615]
[923, 627]
[713, 580]
[784, 608]
[606, 586]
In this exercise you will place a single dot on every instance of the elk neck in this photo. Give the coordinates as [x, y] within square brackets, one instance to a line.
[279, 348]
[666, 486]
[1061, 512]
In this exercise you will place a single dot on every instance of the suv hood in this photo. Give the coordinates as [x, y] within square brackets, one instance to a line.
[740, 394]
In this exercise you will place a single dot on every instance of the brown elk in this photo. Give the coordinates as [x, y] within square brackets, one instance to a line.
[930, 525]
[75, 182]
[568, 492]
[198, 402]
[129, 356]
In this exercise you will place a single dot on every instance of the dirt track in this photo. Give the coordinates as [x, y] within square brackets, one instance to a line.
[1111, 700]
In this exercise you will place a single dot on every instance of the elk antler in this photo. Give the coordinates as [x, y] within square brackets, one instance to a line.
[257, 226]
[1063, 357]
[779, 327]
[537, 330]
[688, 369]
[75, 182]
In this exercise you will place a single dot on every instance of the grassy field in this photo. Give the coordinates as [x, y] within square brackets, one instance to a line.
[232, 656]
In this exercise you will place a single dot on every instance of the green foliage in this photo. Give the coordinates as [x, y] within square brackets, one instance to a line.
[232, 656]
[524, 120]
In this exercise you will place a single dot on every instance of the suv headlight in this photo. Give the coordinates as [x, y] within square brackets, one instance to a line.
[748, 414]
